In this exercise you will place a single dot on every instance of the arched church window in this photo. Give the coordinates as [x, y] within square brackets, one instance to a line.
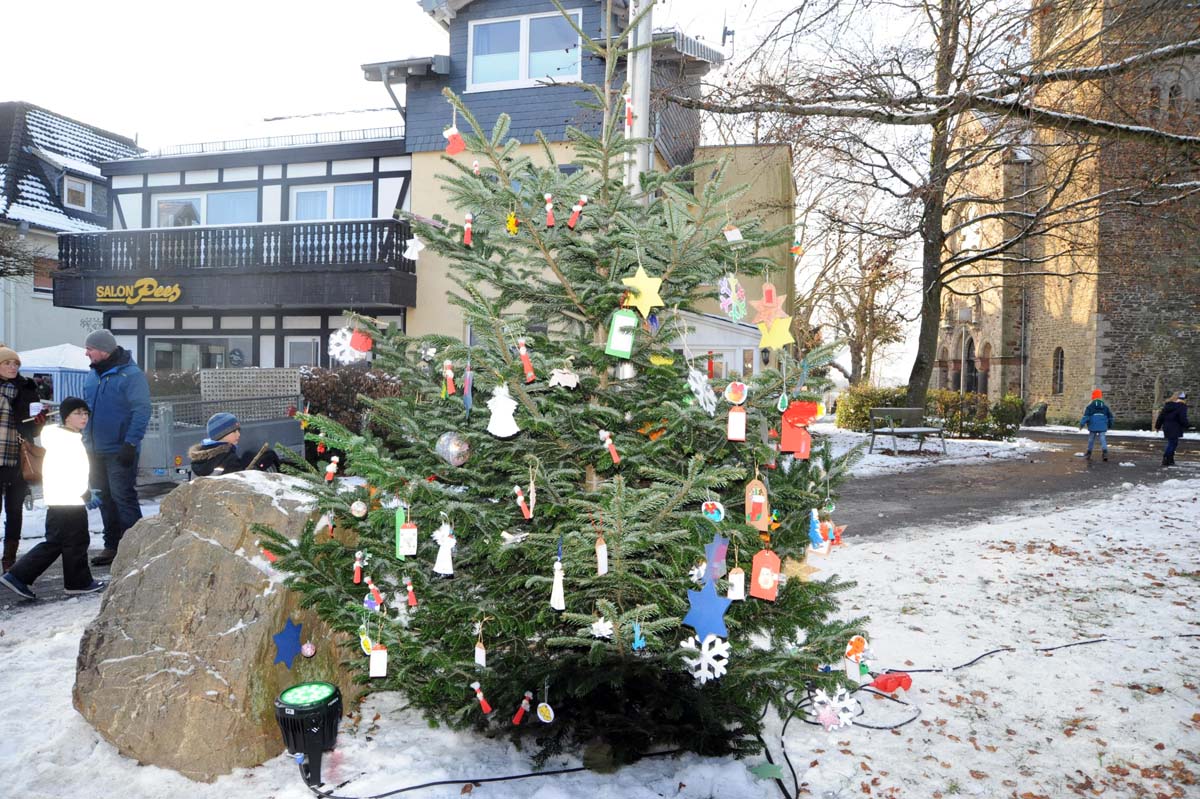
[1056, 377]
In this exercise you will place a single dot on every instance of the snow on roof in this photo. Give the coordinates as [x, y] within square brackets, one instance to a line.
[49, 131]
[34, 204]
[3, 196]
[65, 162]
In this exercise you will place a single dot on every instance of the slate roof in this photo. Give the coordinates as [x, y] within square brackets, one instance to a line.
[37, 148]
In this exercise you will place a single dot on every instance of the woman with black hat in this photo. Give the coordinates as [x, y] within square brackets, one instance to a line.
[21, 416]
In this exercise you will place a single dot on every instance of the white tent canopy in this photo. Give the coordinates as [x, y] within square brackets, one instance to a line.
[62, 356]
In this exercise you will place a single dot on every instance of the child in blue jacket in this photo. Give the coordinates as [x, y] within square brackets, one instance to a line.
[1097, 418]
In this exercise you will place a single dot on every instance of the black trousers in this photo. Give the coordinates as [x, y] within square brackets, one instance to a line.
[66, 535]
[13, 489]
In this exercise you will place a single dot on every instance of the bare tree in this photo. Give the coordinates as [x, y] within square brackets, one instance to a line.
[916, 103]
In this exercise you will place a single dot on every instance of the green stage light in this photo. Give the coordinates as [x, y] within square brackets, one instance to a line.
[308, 716]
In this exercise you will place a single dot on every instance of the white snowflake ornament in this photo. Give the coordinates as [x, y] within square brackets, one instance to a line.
[602, 628]
[712, 656]
[340, 349]
[836, 712]
[698, 383]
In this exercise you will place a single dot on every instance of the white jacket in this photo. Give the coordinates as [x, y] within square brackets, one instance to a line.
[65, 469]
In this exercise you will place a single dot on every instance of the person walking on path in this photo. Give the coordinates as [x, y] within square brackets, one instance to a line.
[1097, 418]
[217, 454]
[1172, 421]
[64, 484]
[119, 397]
[21, 416]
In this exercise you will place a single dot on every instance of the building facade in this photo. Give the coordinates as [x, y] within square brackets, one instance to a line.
[1112, 300]
[247, 253]
[50, 183]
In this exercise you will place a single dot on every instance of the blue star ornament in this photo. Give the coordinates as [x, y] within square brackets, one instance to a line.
[714, 554]
[707, 615]
[287, 643]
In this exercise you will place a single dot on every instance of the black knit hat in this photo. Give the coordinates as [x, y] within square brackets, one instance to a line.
[70, 405]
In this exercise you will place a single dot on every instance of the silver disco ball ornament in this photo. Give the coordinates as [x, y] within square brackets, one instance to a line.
[452, 448]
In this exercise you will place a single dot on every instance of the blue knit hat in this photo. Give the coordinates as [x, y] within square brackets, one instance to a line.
[221, 424]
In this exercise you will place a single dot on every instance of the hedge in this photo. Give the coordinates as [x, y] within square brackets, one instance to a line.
[963, 415]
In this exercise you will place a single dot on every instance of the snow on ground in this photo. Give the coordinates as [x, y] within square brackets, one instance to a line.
[958, 451]
[1117, 718]
[1064, 428]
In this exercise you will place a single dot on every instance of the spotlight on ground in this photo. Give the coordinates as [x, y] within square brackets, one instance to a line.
[308, 716]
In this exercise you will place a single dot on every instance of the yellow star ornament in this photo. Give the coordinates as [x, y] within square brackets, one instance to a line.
[646, 298]
[775, 334]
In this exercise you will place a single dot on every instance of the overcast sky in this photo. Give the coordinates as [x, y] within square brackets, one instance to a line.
[180, 72]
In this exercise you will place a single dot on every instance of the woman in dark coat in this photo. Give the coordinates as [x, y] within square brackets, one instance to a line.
[21, 416]
[1172, 421]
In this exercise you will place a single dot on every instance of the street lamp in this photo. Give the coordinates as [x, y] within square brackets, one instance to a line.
[308, 716]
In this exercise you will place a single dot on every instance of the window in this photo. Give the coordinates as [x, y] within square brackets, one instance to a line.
[77, 193]
[302, 350]
[351, 201]
[43, 276]
[232, 207]
[178, 212]
[1056, 378]
[516, 52]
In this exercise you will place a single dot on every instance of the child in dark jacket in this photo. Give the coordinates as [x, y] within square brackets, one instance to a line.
[1097, 418]
[1172, 421]
[217, 454]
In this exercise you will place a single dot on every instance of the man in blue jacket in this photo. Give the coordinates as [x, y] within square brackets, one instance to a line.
[119, 396]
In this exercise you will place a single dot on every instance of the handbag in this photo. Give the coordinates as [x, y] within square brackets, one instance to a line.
[31, 461]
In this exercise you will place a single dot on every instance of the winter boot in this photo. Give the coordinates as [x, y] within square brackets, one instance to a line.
[1167, 461]
[10, 553]
[1105, 454]
[1087, 456]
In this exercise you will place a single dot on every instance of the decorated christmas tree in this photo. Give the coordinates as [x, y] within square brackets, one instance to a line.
[559, 530]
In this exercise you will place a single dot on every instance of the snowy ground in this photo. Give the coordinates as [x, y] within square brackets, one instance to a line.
[1117, 718]
[1063, 428]
[958, 451]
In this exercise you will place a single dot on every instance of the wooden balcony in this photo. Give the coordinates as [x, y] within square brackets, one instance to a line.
[350, 263]
[258, 248]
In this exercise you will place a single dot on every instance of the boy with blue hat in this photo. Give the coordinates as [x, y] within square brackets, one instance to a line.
[217, 454]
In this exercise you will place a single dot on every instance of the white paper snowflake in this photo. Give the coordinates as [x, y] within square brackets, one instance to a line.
[712, 656]
[340, 349]
[836, 712]
[602, 628]
[698, 383]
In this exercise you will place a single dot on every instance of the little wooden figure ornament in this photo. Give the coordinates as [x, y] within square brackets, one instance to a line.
[470, 218]
[331, 469]
[526, 703]
[483, 703]
[502, 405]
[549, 198]
[607, 439]
[358, 567]
[526, 364]
[448, 374]
[444, 536]
[526, 511]
[576, 212]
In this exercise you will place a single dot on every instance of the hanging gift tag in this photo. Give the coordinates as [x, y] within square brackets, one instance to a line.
[735, 428]
[378, 661]
[406, 534]
[480, 655]
[620, 333]
[758, 507]
[737, 584]
[764, 575]
[601, 556]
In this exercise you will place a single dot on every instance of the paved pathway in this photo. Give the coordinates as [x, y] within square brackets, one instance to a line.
[965, 493]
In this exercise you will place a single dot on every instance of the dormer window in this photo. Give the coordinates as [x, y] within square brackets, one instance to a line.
[77, 193]
[517, 52]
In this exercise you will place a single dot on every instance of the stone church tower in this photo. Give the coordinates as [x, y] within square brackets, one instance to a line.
[1107, 295]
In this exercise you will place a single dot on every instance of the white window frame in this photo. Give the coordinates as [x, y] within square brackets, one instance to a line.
[155, 199]
[313, 339]
[87, 193]
[328, 188]
[524, 81]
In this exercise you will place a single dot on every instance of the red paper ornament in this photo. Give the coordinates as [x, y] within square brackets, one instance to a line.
[549, 209]
[448, 373]
[526, 364]
[360, 341]
[467, 230]
[483, 703]
[576, 212]
[519, 716]
[764, 575]
[358, 567]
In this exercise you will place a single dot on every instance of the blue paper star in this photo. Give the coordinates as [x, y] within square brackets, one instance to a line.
[707, 615]
[714, 553]
[287, 644]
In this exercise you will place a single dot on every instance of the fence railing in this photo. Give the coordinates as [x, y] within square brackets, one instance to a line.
[257, 247]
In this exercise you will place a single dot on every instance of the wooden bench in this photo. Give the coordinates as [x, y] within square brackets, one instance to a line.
[903, 423]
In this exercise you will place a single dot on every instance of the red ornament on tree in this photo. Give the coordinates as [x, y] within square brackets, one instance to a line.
[360, 341]
[549, 209]
[467, 230]
[454, 140]
[576, 212]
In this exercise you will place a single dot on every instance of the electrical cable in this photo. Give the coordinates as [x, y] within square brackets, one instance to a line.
[476, 780]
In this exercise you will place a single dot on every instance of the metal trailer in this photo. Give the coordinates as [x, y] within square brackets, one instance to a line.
[177, 424]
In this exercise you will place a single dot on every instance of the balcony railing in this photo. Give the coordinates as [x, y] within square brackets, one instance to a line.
[252, 248]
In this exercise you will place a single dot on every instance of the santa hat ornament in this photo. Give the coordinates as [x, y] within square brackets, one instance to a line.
[331, 469]
[576, 212]
[549, 198]
[467, 229]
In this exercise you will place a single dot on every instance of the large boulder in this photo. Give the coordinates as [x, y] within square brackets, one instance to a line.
[178, 669]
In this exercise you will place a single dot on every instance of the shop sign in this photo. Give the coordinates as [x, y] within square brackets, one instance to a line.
[146, 289]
